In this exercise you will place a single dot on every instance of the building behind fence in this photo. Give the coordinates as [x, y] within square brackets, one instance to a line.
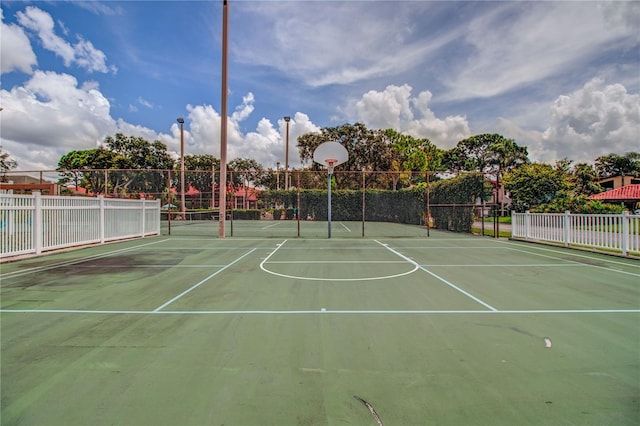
[618, 233]
[35, 223]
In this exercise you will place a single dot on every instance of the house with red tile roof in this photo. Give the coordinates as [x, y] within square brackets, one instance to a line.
[629, 195]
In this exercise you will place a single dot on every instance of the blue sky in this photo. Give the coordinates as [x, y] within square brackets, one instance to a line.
[562, 78]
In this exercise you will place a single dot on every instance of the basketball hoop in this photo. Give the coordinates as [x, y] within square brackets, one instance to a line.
[331, 163]
[330, 154]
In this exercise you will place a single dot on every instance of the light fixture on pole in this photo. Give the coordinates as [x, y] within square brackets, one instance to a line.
[286, 155]
[183, 207]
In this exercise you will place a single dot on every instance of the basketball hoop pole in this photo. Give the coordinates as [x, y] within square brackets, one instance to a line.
[329, 172]
[330, 154]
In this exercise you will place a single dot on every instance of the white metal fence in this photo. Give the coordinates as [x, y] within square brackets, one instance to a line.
[609, 232]
[31, 224]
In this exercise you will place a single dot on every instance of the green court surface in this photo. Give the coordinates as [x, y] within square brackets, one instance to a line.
[256, 329]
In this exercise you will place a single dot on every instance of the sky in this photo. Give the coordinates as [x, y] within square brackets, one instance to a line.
[561, 78]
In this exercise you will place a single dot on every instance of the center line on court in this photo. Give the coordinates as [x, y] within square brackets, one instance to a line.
[436, 276]
[203, 281]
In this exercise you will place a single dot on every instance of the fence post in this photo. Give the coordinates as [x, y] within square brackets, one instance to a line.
[101, 218]
[625, 232]
[37, 222]
[144, 213]
[527, 224]
[566, 228]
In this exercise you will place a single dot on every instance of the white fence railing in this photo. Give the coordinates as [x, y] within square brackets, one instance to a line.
[31, 224]
[609, 232]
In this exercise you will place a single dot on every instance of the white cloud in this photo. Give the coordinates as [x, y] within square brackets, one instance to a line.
[41, 22]
[594, 120]
[520, 43]
[87, 56]
[52, 113]
[266, 144]
[245, 109]
[318, 42]
[17, 53]
[144, 103]
[397, 109]
[83, 53]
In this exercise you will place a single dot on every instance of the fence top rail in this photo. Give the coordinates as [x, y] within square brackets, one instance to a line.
[578, 214]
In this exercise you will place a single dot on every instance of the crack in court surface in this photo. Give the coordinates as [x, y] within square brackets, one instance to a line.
[371, 409]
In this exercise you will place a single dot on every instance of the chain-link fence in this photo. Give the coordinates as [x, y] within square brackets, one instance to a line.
[273, 203]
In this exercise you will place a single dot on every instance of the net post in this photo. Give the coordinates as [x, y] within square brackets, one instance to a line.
[298, 199]
[364, 187]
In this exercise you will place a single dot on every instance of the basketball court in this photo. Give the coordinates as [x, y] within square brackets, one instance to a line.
[394, 328]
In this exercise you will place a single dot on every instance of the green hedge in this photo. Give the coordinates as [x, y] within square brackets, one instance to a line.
[403, 206]
[406, 205]
[251, 214]
[463, 189]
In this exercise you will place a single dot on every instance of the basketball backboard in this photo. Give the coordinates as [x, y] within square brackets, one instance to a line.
[330, 154]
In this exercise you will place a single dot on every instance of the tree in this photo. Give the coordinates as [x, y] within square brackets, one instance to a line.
[6, 164]
[86, 168]
[619, 165]
[584, 180]
[134, 165]
[200, 172]
[145, 157]
[412, 155]
[368, 150]
[533, 184]
[485, 153]
[245, 172]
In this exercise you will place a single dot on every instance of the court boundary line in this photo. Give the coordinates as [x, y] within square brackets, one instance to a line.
[75, 261]
[324, 311]
[575, 262]
[193, 287]
[455, 287]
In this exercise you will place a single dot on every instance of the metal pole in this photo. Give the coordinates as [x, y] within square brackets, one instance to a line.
[183, 208]
[286, 156]
[428, 206]
[363, 205]
[298, 208]
[223, 123]
[169, 201]
[329, 203]
[213, 186]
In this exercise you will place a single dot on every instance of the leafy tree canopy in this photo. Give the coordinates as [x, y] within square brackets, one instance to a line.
[485, 153]
[6, 164]
[618, 165]
[534, 184]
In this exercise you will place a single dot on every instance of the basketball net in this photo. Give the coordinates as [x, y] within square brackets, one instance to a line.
[331, 162]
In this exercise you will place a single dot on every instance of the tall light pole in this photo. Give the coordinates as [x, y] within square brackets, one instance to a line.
[278, 175]
[222, 196]
[286, 156]
[183, 208]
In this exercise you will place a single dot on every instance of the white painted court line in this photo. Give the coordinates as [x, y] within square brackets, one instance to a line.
[334, 261]
[147, 266]
[272, 226]
[575, 262]
[438, 277]
[323, 311]
[345, 227]
[508, 265]
[203, 281]
[75, 261]
[307, 278]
